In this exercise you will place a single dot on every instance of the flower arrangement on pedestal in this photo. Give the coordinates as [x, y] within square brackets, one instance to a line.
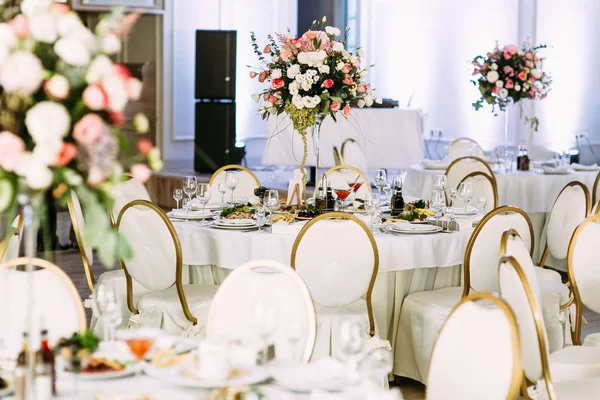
[310, 77]
[507, 75]
[62, 103]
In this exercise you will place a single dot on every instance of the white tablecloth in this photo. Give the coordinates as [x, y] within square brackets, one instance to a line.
[390, 138]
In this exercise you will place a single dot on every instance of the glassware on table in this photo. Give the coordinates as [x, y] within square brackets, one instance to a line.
[508, 161]
[190, 184]
[387, 193]
[450, 208]
[437, 203]
[113, 314]
[271, 199]
[371, 205]
[177, 196]
[352, 336]
[99, 306]
[139, 340]
[481, 204]
[342, 194]
[231, 181]
[465, 191]
[261, 217]
[354, 186]
[216, 215]
[186, 207]
[222, 188]
[380, 179]
[203, 196]
[264, 320]
[294, 335]
[439, 182]
[378, 365]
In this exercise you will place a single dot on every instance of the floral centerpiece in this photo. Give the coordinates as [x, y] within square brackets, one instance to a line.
[62, 103]
[310, 77]
[507, 75]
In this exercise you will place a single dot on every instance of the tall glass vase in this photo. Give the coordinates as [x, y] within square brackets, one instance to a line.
[316, 135]
[506, 130]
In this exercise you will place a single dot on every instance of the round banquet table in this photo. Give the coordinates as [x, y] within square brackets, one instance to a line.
[532, 191]
[407, 263]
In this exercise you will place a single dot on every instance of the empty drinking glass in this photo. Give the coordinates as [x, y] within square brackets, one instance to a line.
[264, 320]
[380, 179]
[439, 182]
[222, 189]
[481, 203]
[450, 208]
[294, 335]
[271, 199]
[371, 204]
[186, 207]
[177, 196]
[190, 184]
[260, 216]
[231, 181]
[437, 203]
[203, 196]
[465, 191]
[508, 161]
[387, 193]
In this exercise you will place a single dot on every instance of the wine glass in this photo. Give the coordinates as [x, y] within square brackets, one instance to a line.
[380, 179]
[371, 204]
[481, 204]
[190, 184]
[221, 188]
[260, 216]
[113, 313]
[271, 199]
[294, 335]
[263, 320]
[354, 186]
[231, 181]
[177, 196]
[99, 306]
[437, 203]
[440, 182]
[342, 194]
[186, 208]
[203, 196]
[387, 192]
[465, 191]
[351, 344]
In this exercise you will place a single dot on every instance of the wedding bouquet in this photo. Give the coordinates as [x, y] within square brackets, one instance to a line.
[310, 75]
[510, 74]
[62, 102]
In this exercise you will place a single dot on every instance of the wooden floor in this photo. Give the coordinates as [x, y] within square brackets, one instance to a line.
[70, 262]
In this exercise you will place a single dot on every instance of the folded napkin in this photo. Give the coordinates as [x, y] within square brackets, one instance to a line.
[179, 213]
[560, 170]
[435, 164]
[544, 163]
[580, 167]
[285, 228]
[458, 224]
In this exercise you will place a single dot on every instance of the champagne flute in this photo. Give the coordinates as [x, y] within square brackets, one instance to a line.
[231, 181]
[465, 191]
[203, 196]
[271, 199]
[380, 179]
[371, 204]
[177, 196]
[186, 207]
[190, 184]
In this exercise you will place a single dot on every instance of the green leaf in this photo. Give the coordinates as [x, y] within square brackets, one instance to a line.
[124, 250]
[337, 99]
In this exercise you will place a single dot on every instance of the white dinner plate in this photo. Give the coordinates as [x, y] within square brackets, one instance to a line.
[180, 214]
[584, 168]
[461, 210]
[556, 172]
[325, 374]
[233, 227]
[130, 369]
[415, 229]
[173, 375]
[236, 222]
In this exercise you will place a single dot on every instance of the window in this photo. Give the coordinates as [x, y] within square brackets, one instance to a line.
[353, 24]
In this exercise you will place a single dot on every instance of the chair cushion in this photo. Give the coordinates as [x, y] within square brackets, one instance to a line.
[575, 362]
[592, 339]
[547, 274]
[583, 389]
[162, 308]
[553, 295]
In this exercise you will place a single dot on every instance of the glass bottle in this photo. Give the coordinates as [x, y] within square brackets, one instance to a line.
[20, 374]
[47, 356]
[397, 201]
[43, 378]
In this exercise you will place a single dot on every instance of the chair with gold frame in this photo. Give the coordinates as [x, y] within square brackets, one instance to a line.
[9, 246]
[56, 302]
[596, 209]
[462, 167]
[336, 255]
[339, 176]
[337, 158]
[265, 283]
[247, 182]
[157, 266]
[565, 374]
[483, 186]
[479, 340]
[571, 207]
[465, 145]
[129, 190]
[596, 190]
[353, 154]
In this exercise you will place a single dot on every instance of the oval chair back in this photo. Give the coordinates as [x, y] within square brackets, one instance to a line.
[339, 176]
[596, 190]
[247, 182]
[483, 186]
[463, 147]
[463, 166]
[126, 192]
[353, 154]
[269, 284]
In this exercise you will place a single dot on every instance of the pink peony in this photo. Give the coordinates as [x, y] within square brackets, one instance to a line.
[285, 54]
[335, 106]
[12, 148]
[140, 172]
[277, 83]
[328, 83]
[509, 84]
[144, 146]
[88, 129]
[310, 36]
[20, 26]
[347, 109]
[65, 155]
[509, 50]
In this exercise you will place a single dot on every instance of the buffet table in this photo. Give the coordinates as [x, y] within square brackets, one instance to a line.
[390, 138]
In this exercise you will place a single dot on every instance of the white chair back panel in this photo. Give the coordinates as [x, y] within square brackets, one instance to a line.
[244, 189]
[154, 258]
[336, 260]
[89, 254]
[457, 172]
[53, 307]
[475, 342]
[568, 211]
[339, 179]
[486, 249]
[354, 156]
[586, 265]
[126, 192]
[234, 310]
[11, 251]
[482, 187]
[515, 247]
[513, 292]
[464, 149]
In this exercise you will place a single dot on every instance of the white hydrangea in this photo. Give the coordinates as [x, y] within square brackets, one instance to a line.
[47, 119]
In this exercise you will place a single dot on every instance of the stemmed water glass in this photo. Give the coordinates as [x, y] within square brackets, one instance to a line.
[177, 196]
[113, 314]
[231, 181]
[440, 182]
[221, 188]
[186, 207]
[380, 179]
[190, 184]
[465, 191]
[264, 320]
[261, 217]
[450, 208]
[351, 344]
[371, 205]
[387, 190]
[437, 203]
[99, 305]
[481, 204]
[203, 196]
[271, 199]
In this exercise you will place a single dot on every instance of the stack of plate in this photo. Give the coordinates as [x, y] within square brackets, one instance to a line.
[414, 229]
[461, 210]
[234, 224]
[191, 214]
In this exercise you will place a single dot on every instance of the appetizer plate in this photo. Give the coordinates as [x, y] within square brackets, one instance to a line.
[129, 370]
[235, 222]
[415, 229]
[180, 214]
[182, 375]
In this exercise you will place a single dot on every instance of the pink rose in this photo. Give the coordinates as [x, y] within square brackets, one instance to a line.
[95, 98]
[495, 89]
[95, 177]
[117, 118]
[273, 99]
[528, 63]
[363, 88]
[144, 146]
[522, 75]
[65, 155]
[328, 83]
[532, 94]
[297, 42]
[140, 172]
[134, 88]
[348, 80]
[347, 68]
[12, 148]
[277, 83]
[311, 35]
[20, 26]
[60, 9]
[335, 106]
[347, 109]
[529, 56]
[509, 84]
[88, 129]
[509, 71]
[122, 72]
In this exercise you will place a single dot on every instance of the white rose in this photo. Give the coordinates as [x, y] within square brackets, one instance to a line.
[360, 103]
[517, 88]
[68, 24]
[293, 71]
[256, 97]
[502, 93]
[324, 69]
[293, 88]
[47, 151]
[47, 119]
[98, 69]
[340, 66]
[338, 46]
[499, 84]
[141, 123]
[297, 101]
[321, 55]
[378, 100]
[306, 85]
[494, 66]
[43, 28]
[369, 100]
[72, 51]
[304, 57]
[536, 73]
[36, 173]
[332, 31]
[35, 7]
[276, 73]
[57, 87]
[308, 102]
[355, 61]
[21, 73]
[111, 44]
[117, 92]
[492, 76]
[7, 36]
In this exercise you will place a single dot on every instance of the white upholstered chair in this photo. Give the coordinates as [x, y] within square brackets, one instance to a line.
[571, 207]
[157, 266]
[477, 353]
[339, 176]
[247, 182]
[278, 286]
[9, 246]
[596, 190]
[62, 316]
[484, 185]
[463, 147]
[546, 371]
[336, 255]
[113, 280]
[125, 192]
[353, 154]
[463, 166]
[596, 209]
